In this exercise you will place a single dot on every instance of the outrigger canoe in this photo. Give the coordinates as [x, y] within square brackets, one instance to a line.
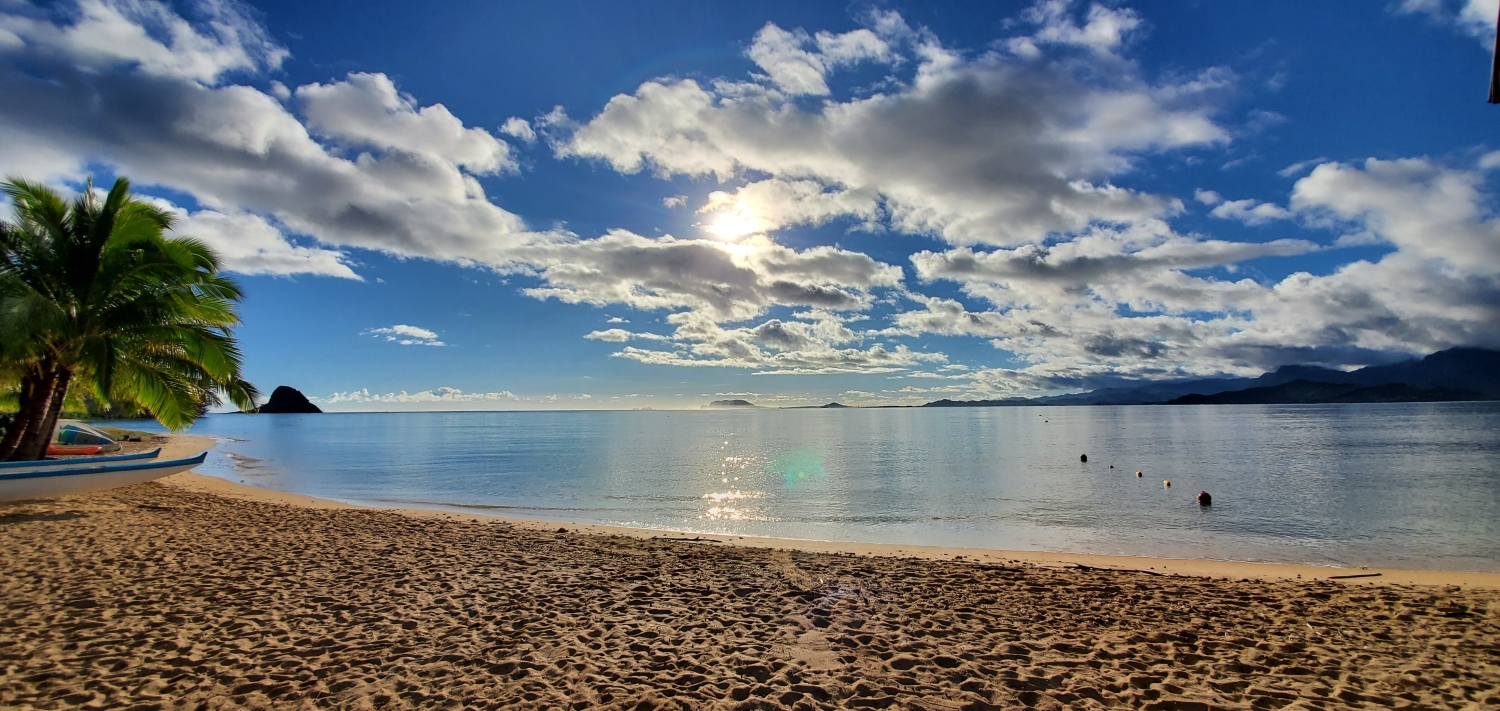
[85, 476]
[71, 449]
[12, 467]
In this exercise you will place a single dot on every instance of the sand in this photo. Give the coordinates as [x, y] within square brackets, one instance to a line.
[196, 593]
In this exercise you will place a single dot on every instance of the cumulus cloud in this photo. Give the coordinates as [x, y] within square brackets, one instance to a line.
[446, 398]
[436, 395]
[134, 86]
[726, 281]
[517, 127]
[250, 244]
[798, 63]
[105, 35]
[992, 149]
[1473, 17]
[365, 110]
[1108, 305]
[406, 335]
[365, 166]
[1250, 212]
[620, 335]
[1104, 30]
[811, 342]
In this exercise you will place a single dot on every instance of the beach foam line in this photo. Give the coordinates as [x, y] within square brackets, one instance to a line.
[186, 445]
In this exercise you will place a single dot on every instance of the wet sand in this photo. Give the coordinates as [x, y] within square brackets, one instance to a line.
[200, 593]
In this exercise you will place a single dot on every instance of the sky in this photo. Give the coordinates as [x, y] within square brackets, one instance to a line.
[584, 205]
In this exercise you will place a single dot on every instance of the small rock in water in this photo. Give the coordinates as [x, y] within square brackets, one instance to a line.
[1083, 457]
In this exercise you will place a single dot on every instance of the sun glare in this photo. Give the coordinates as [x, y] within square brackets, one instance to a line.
[734, 225]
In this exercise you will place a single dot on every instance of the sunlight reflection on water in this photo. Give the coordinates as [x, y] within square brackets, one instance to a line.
[1412, 485]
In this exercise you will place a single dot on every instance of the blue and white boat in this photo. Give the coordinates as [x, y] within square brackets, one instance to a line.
[37, 464]
[80, 476]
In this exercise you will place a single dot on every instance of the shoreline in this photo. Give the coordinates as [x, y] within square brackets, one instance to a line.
[179, 445]
[201, 593]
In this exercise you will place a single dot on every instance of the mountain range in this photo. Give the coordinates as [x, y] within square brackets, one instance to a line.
[1462, 373]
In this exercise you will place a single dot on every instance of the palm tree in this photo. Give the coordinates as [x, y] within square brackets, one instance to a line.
[94, 297]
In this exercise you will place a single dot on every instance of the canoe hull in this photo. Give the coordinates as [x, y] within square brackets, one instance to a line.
[64, 450]
[64, 482]
[42, 464]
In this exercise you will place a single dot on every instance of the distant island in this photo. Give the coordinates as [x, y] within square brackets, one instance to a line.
[1454, 375]
[732, 403]
[287, 401]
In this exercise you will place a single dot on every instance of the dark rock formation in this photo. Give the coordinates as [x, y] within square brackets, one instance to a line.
[285, 401]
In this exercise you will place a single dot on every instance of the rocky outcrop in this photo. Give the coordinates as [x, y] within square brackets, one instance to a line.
[731, 403]
[287, 401]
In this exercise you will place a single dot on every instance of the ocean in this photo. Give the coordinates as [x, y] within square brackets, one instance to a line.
[1400, 485]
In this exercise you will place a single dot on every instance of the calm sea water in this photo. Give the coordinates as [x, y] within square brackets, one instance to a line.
[1409, 485]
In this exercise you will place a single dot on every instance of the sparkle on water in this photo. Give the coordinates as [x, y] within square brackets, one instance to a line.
[1408, 485]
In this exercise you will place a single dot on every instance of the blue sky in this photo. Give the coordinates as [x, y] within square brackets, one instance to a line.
[606, 205]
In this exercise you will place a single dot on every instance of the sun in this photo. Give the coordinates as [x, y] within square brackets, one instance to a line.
[734, 225]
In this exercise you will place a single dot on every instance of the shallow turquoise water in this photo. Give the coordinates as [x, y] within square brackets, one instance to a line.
[1410, 485]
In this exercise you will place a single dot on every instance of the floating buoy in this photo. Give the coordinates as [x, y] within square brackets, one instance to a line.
[1083, 457]
[1111, 466]
[1137, 475]
[1204, 499]
[1167, 483]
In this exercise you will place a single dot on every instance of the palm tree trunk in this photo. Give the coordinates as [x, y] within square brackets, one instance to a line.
[43, 435]
[29, 384]
[34, 440]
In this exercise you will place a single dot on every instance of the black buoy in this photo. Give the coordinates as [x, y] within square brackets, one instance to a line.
[1204, 499]
[1083, 457]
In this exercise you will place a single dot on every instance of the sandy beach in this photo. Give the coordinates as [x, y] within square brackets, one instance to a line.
[196, 592]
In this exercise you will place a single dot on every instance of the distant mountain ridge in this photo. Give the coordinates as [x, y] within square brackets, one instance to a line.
[1307, 392]
[1462, 373]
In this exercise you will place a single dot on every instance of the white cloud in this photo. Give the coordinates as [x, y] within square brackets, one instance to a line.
[368, 167]
[1105, 30]
[798, 63]
[1473, 17]
[237, 150]
[728, 281]
[406, 335]
[620, 335]
[1424, 209]
[249, 244]
[1207, 197]
[518, 127]
[1251, 212]
[814, 342]
[763, 206]
[1300, 167]
[366, 110]
[674, 202]
[990, 149]
[444, 398]
[102, 35]
[1105, 306]
[617, 319]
